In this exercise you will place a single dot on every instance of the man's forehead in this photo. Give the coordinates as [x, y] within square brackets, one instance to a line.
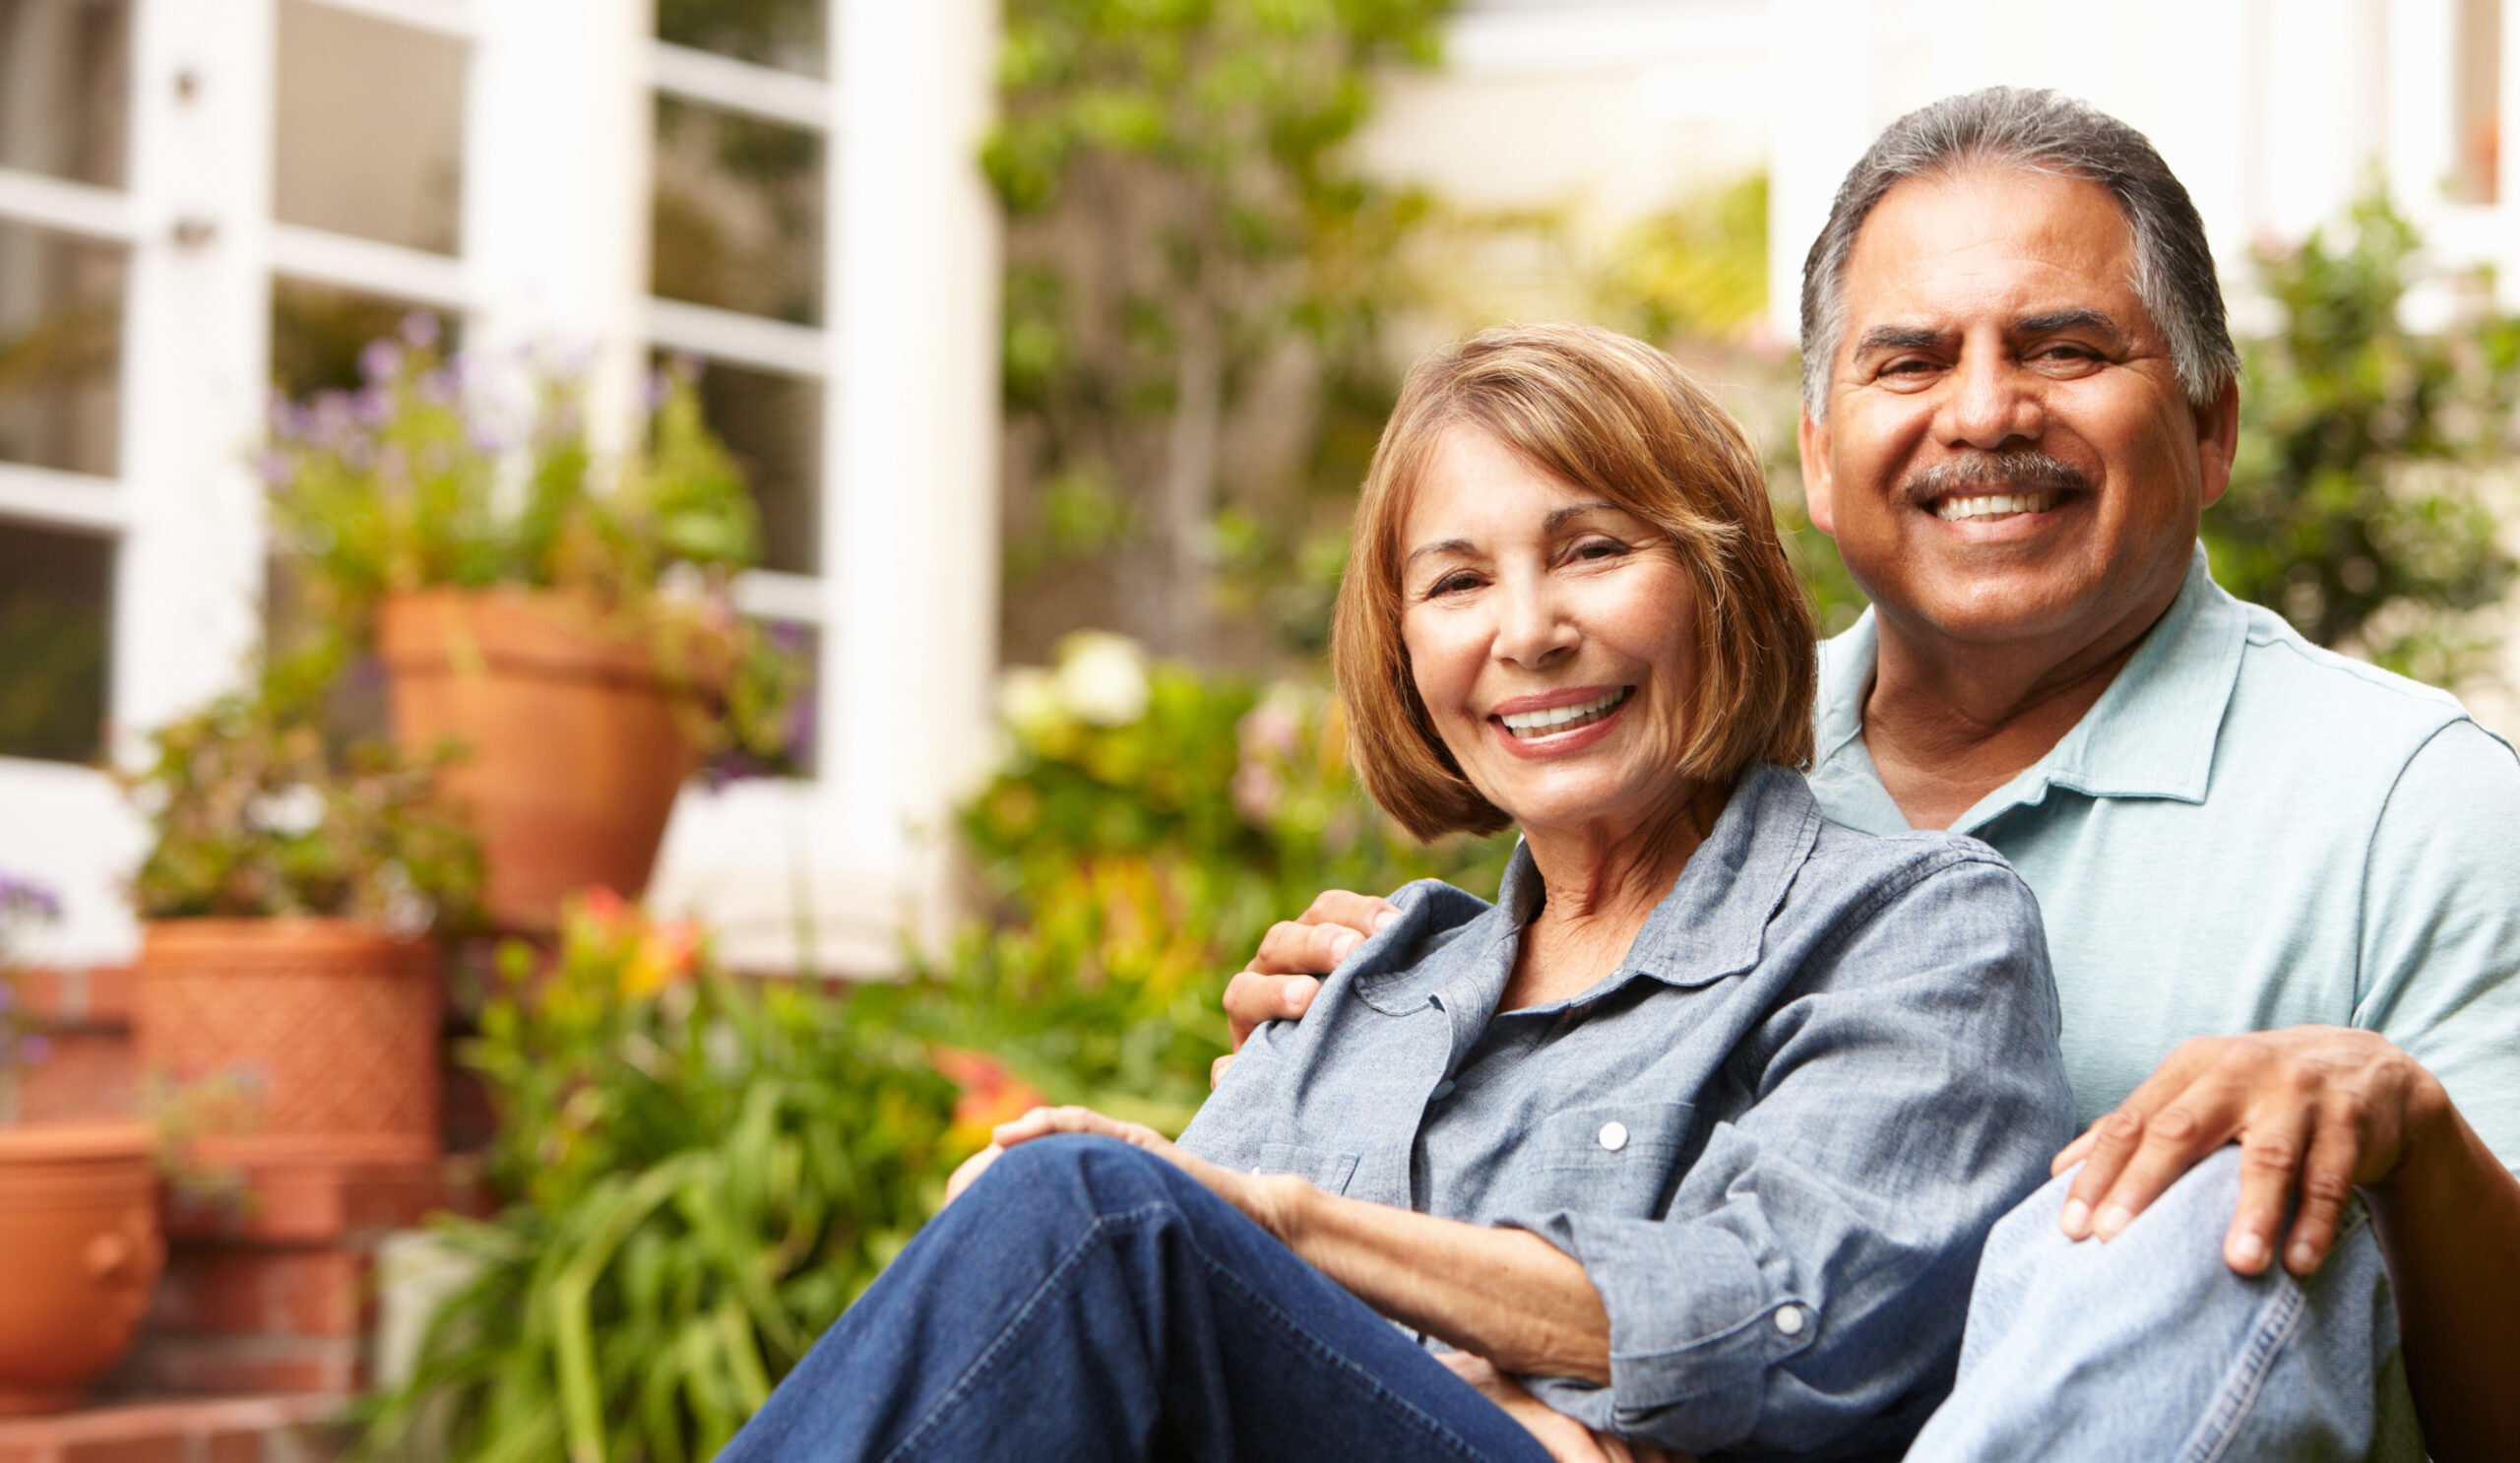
[2062, 239]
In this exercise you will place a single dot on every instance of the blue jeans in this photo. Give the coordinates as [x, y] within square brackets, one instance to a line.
[1086, 1300]
[2149, 1346]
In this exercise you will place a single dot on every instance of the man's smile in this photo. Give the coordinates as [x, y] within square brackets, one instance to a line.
[1993, 507]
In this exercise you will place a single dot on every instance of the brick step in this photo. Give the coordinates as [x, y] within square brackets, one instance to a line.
[194, 1430]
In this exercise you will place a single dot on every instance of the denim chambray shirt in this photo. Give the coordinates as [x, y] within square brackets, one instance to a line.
[1774, 1137]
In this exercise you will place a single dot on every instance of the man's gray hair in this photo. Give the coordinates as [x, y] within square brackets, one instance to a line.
[2007, 127]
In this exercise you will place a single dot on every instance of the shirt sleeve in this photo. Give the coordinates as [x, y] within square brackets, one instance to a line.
[1808, 1283]
[2441, 927]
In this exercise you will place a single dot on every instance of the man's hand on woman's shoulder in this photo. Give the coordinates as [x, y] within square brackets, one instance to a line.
[1280, 982]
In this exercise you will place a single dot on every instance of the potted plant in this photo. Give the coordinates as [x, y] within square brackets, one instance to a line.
[566, 617]
[287, 951]
[77, 1215]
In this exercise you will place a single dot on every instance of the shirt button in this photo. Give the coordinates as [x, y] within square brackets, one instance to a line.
[1614, 1136]
[1443, 1090]
[1788, 1321]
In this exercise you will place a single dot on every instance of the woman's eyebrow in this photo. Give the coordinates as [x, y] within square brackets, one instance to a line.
[1447, 545]
[1572, 511]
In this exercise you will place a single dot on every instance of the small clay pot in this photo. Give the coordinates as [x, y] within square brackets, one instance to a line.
[79, 1236]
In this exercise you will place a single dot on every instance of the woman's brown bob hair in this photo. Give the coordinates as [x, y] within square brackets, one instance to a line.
[1616, 418]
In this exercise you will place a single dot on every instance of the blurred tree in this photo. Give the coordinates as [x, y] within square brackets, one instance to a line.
[1196, 282]
[2354, 507]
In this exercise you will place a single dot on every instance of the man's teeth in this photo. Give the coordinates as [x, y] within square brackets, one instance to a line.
[1994, 506]
[1561, 718]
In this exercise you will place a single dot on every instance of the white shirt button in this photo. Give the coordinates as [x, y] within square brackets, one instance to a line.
[1614, 1136]
[1788, 1321]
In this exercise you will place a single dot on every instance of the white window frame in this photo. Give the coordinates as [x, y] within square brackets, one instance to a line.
[828, 874]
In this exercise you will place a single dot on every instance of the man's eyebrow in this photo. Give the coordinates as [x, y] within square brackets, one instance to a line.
[2079, 319]
[1899, 338]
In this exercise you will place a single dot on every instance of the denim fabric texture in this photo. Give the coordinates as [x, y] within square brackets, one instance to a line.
[2246, 832]
[2150, 1346]
[1774, 1137]
[1089, 1302]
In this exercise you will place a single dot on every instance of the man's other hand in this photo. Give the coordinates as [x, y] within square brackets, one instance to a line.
[1280, 982]
[1567, 1440]
[2316, 1109]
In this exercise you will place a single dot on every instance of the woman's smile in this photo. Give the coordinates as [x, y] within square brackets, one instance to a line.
[1552, 639]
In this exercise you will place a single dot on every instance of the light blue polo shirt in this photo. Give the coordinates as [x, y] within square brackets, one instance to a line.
[2249, 832]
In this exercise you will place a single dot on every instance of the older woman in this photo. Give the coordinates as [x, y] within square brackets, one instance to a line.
[1696, 1129]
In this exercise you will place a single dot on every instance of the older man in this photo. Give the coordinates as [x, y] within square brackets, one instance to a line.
[2019, 396]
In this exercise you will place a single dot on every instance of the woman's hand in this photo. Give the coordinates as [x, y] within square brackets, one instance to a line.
[1281, 981]
[1257, 1198]
[1567, 1440]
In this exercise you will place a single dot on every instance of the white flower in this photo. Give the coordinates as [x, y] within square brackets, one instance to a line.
[292, 812]
[1102, 678]
[1027, 701]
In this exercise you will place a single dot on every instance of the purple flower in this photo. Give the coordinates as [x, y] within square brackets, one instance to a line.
[24, 897]
[35, 1051]
[438, 388]
[278, 469]
[380, 361]
[373, 406]
[418, 330]
[652, 395]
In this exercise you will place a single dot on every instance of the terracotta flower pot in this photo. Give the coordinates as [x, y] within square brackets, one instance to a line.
[323, 1032]
[575, 750]
[79, 1246]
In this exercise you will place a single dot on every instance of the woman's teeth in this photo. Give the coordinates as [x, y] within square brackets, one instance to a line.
[1564, 718]
[1994, 506]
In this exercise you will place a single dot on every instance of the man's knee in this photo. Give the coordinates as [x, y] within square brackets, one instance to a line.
[1100, 1175]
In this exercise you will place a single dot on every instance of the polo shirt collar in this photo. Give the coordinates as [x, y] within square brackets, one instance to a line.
[2150, 735]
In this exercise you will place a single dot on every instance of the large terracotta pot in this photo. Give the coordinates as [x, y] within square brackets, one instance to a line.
[575, 749]
[325, 1031]
[80, 1251]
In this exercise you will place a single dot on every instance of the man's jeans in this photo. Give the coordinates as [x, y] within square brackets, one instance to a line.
[1086, 1300]
[2149, 1346]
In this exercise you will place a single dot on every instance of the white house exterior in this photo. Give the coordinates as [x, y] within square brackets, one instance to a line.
[491, 160]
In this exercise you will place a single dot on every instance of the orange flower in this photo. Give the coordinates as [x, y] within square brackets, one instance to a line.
[991, 1095]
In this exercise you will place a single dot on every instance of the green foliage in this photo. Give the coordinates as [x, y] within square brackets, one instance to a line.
[1699, 271]
[703, 1175]
[2353, 507]
[410, 484]
[256, 813]
[1147, 827]
[1196, 286]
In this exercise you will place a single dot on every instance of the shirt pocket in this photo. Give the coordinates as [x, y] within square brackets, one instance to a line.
[1321, 1168]
[1617, 1160]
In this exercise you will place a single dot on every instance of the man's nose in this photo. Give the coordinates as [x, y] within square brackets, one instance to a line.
[1535, 630]
[1990, 401]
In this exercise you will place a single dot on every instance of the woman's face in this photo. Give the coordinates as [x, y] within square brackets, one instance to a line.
[1553, 637]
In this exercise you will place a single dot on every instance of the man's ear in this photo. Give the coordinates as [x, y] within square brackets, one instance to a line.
[1819, 487]
[2218, 438]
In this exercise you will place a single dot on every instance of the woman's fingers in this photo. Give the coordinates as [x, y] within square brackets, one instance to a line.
[1254, 996]
[1362, 914]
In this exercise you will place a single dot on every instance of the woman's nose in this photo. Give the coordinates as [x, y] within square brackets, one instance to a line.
[1990, 401]
[1535, 628]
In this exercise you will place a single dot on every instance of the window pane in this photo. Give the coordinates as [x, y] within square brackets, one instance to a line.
[60, 349]
[318, 330]
[773, 424]
[55, 590]
[786, 33]
[369, 128]
[65, 72]
[737, 213]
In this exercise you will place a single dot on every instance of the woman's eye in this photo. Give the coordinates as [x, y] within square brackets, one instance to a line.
[1600, 548]
[1452, 583]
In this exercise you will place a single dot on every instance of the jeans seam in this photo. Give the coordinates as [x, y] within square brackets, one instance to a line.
[2239, 1394]
[1286, 1324]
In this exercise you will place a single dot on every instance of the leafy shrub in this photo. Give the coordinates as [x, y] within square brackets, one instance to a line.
[257, 812]
[701, 1177]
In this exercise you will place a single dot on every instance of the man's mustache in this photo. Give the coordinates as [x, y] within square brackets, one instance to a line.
[2025, 471]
